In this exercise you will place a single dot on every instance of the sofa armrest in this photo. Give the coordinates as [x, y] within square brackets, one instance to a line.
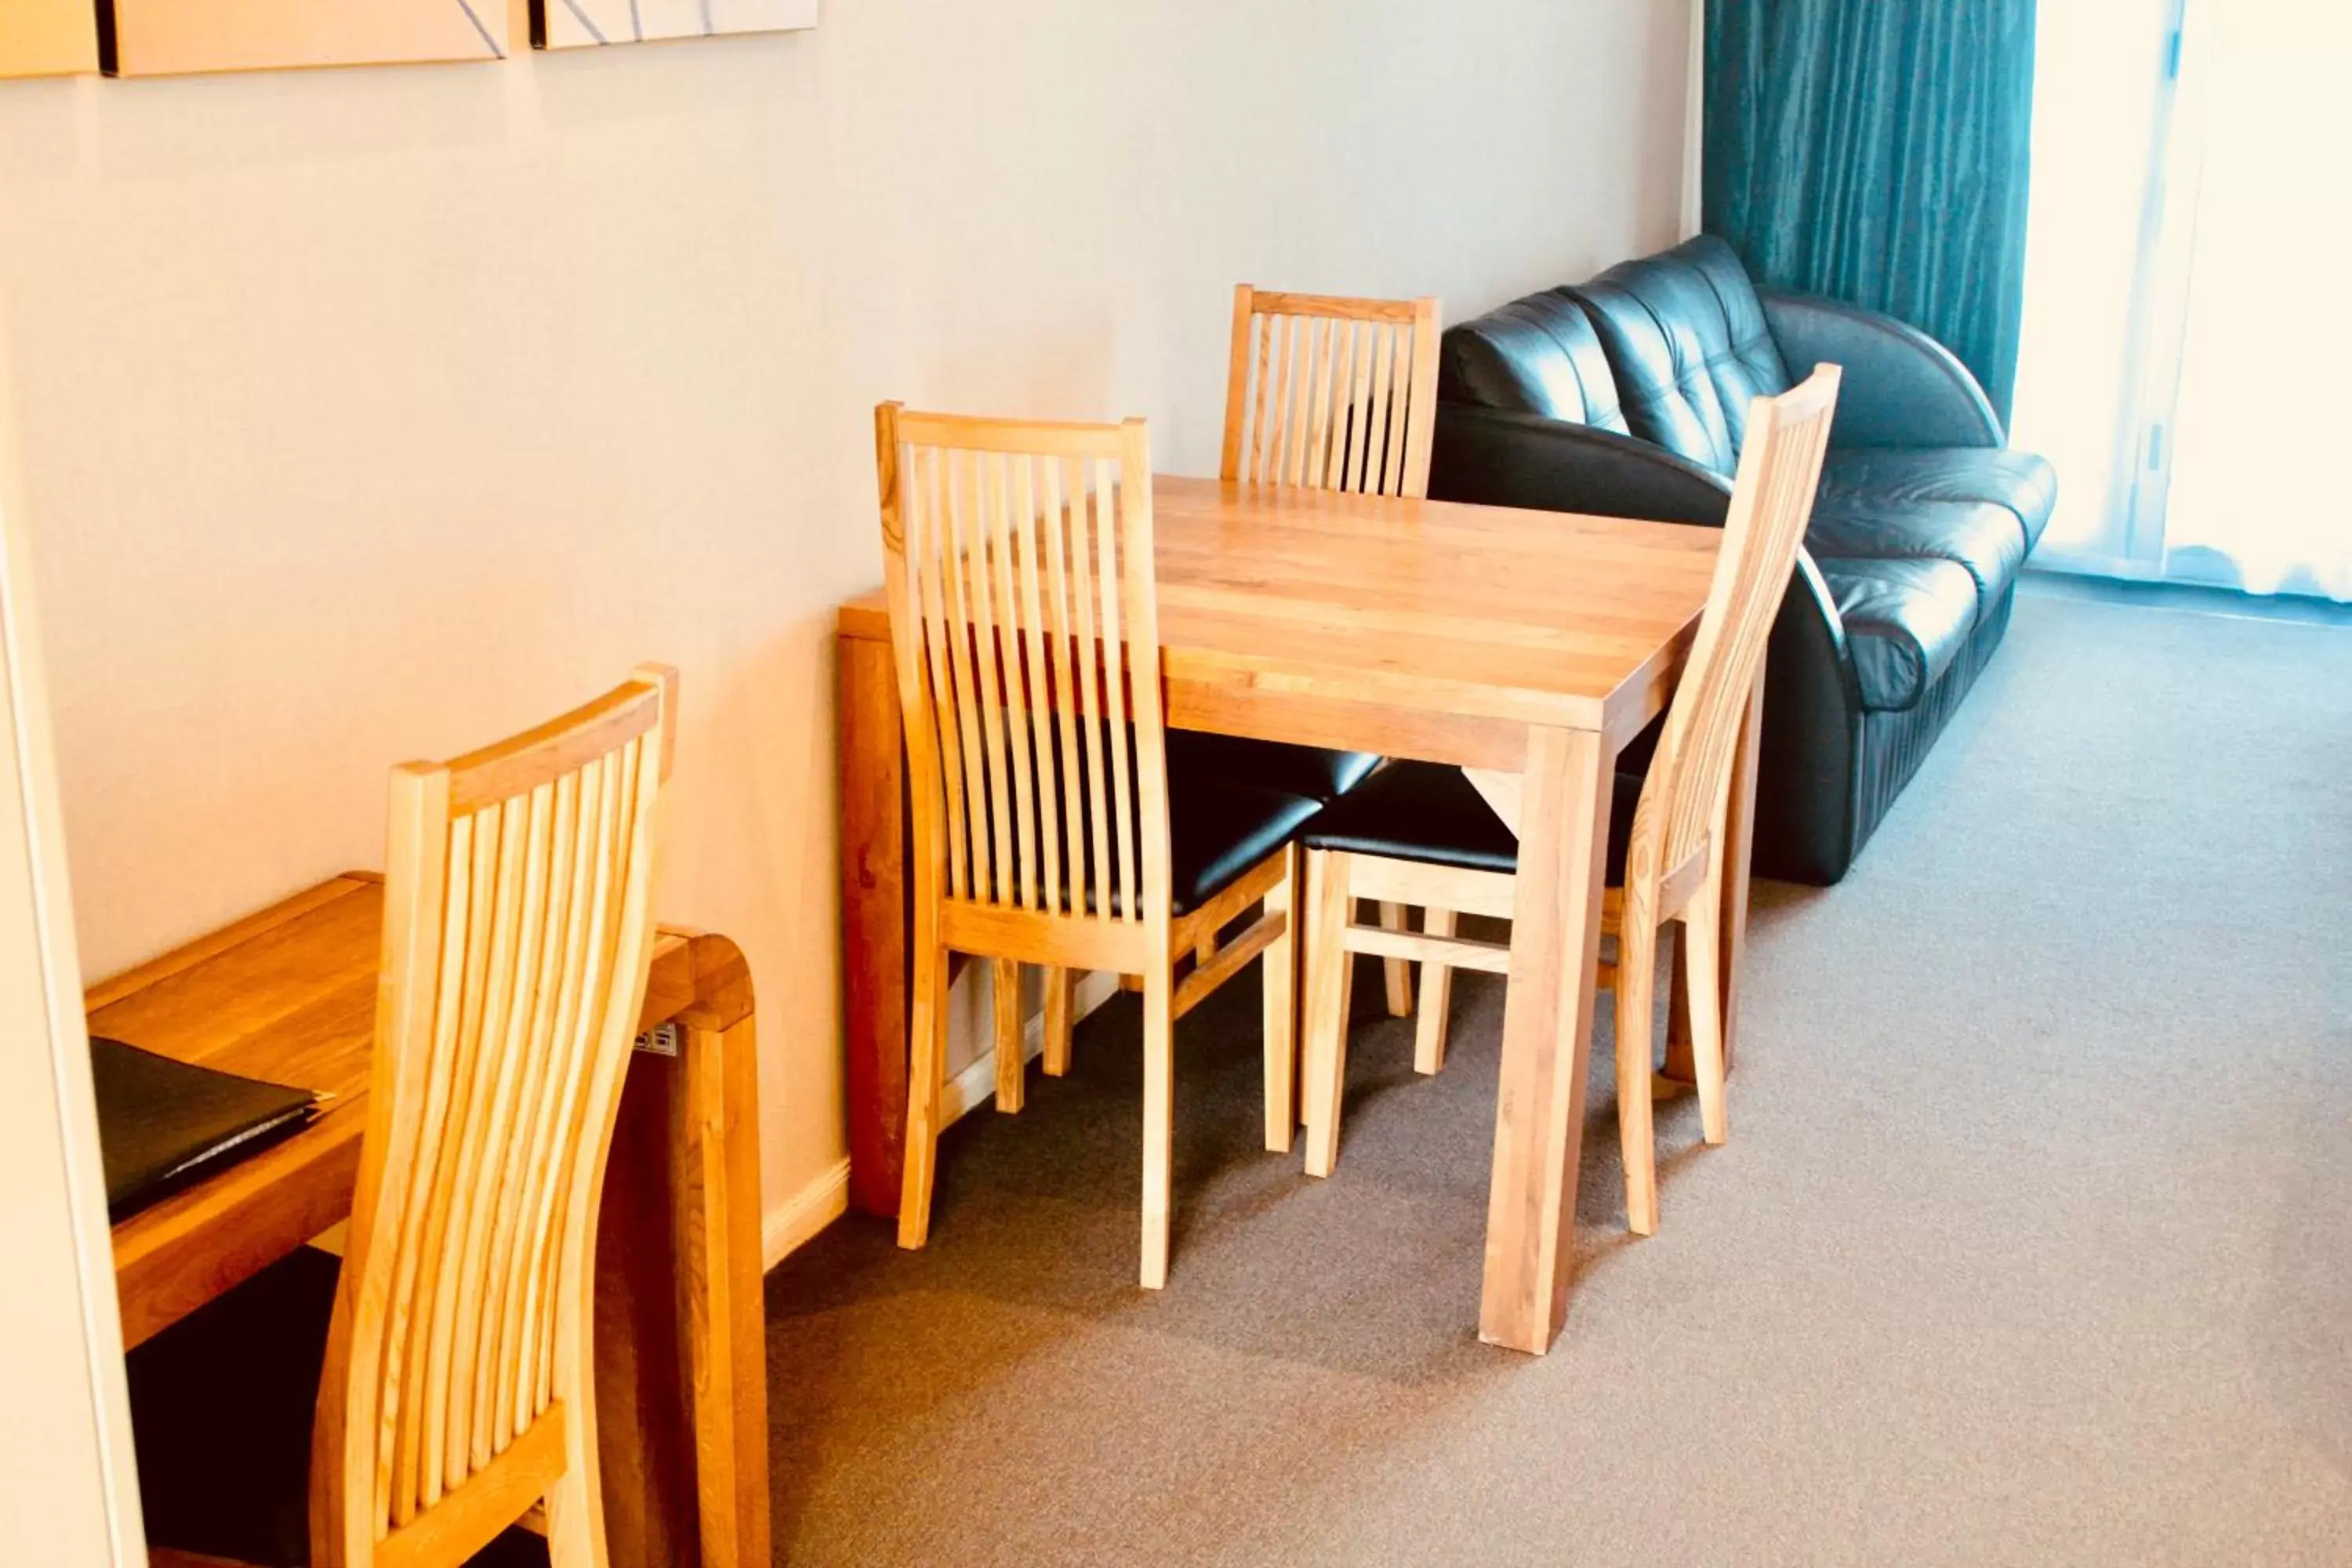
[1501, 457]
[1901, 387]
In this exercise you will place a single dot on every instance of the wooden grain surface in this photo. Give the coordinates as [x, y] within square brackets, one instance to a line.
[1444, 629]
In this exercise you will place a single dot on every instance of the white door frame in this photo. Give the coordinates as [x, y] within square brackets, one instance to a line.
[69, 1487]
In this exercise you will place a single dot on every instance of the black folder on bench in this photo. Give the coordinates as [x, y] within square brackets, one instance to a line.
[163, 1124]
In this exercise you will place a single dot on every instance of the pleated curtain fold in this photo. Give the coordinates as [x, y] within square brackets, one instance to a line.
[1876, 152]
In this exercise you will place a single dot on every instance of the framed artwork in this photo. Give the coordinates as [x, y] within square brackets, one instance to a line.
[47, 37]
[585, 24]
[173, 37]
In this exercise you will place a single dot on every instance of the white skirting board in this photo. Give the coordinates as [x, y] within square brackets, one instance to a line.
[801, 1216]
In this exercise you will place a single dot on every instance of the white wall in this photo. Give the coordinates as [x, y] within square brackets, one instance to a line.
[373, 414]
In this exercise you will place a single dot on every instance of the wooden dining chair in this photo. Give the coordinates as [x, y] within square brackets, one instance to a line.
[1426, 834]
[1025, 622]
[454, 1379]
[1328, 393]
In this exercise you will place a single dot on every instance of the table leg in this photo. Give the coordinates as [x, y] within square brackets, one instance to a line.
[873, 921]
[642, 1425]
[715, 1140]
[1546, 1039]
[1739, 851]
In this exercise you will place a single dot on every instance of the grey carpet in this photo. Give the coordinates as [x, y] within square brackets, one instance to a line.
[2032, 1242]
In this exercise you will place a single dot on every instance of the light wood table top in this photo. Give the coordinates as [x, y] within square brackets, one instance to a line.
[1456, 626]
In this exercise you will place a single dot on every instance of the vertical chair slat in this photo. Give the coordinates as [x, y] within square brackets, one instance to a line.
[957, 626]
[928, 599]
[1093, 657]
[1352, 471]
[1376, 413]
[555, 934]
[532, 1373]
[1399, 412]
[1013, 625]
[477, 1165]
[1116, 678]
[1066, 767]
[402, 1361]
[434, 1302]
[1030, 534]
[1237, 373]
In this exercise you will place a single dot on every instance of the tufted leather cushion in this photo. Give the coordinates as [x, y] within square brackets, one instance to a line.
[1905, 623]
[1688, 341]
[1902, 476]
[1430, 812]
[1535, 355]
[1310, 771]
[1977, 535]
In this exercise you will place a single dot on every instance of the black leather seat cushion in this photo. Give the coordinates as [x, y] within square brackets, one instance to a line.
[221, 1408]
[1430, 812]
[1895, 477]
[1217, 831]
[1310, 771]
[1690, 348]
[1905, 623]
[1535, 355]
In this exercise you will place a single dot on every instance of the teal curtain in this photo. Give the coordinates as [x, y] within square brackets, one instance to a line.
[1875, 151]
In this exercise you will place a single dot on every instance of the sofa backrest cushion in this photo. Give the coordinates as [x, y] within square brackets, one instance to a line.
[1688, 341]
[1535, 355]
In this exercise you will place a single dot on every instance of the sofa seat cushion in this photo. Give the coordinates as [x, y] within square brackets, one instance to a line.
[1687, 337]
[1899, 476]
[1984, 538]
[1432, 813]
[1906, 621]
[1535, 355]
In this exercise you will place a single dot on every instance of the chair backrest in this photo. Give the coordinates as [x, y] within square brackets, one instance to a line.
[1018, 557]
[1335, 395]
[518, 932]
[1771, 501]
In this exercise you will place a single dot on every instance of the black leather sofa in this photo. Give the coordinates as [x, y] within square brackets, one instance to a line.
[1626, 397]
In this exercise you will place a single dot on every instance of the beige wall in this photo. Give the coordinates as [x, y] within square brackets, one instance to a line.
[373, 414]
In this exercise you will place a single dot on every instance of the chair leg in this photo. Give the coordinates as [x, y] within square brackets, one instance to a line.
[1637, 968]
[1703, 931]
[1281, 973]
[1010, 1068]
[1437, 998]
[926, 1070]
[1396, 972]
[1059, 1006]
[1330, 967]
[1159, 1118]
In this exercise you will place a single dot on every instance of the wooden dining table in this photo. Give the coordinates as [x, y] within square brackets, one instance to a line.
[287, 994]
[1521, 644]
